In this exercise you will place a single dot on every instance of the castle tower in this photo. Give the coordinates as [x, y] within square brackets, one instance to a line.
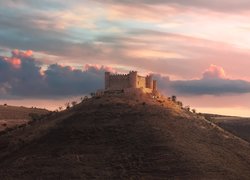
[133, 79]
[107, 80]
[154, 85]
[149, 82]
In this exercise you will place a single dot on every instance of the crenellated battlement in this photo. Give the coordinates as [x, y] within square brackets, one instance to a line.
[130, 80]
[119, 76]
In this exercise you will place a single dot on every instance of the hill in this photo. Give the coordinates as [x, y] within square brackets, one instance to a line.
[124, 137]
[236, 125]
[11, 116]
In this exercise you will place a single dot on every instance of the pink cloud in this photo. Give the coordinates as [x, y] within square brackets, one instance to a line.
[22, 54]
[214, 72]
[99, 67]
[17, 55]
[15, 62]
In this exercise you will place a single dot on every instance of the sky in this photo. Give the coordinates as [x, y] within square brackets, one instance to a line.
[53, 51]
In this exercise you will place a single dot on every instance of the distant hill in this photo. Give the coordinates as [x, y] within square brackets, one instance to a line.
[236, 125]
[11, 116]
[123, 137]
[16, 112]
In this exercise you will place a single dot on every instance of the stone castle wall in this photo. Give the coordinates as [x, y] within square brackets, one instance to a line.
[125, 81]
[119, 81]
[141, 82]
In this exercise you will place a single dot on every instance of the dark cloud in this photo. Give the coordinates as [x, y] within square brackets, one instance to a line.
[211, 86]
[27, 79]
[67, 81]
[212, 83]
[21, 76]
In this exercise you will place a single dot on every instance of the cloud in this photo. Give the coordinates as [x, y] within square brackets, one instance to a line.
[22, 54]
[30, 81]
[211, 87]
[56, 34]
[222, 5]
[213, 82]
[214, 72]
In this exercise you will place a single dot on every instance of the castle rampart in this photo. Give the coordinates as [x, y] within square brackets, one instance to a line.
[131, 80]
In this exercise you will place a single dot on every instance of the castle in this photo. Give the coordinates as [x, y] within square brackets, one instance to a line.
[130, 82]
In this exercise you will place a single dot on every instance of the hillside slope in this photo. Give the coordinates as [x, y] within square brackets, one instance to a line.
[14, 112]
[123, 138]
[12, 116]
[236, 125]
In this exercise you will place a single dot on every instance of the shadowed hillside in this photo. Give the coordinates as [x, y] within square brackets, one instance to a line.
[123, 138]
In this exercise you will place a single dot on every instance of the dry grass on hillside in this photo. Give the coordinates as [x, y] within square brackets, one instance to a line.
[13, 116]
[236, 125]
[121, 137]
[14, 112]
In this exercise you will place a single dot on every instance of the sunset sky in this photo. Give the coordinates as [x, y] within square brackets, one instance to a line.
[52, 51]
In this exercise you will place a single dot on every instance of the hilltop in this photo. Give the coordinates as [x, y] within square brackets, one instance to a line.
[124, 137]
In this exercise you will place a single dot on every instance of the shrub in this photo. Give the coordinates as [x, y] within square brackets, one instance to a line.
[84, 98]
[187, 108]
[21, 126]
[144, 103]
[174, 98]
[4, 124]
[8, 129]
[34, 116]
[92, 94]
[73, 103]
[179, 103]
[194, 111]
[67, 105]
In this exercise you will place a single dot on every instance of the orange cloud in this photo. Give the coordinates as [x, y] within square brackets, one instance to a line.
[24, 54]
[17, 55]
[214, 72]
[15, 62]
[28, 53]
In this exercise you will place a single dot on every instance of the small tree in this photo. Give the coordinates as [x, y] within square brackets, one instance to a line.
[187, 108]
[73, 103]
[179, 103]
[67, 105]
[92, 94]
[174, 98]
[34, 116]
[84, 98]
[194, 111]
[60, 108]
